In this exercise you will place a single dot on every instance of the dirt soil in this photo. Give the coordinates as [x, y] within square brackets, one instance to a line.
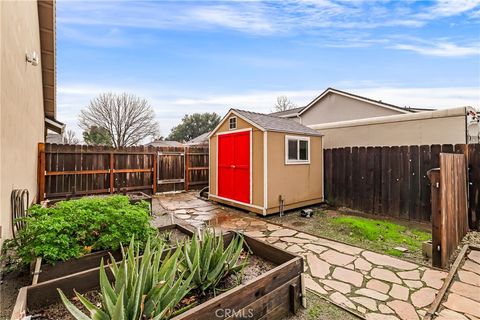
[319, 309]
[10, 284]
[256, 267]
[58, 310]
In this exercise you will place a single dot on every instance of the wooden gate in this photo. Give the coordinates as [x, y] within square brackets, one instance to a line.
[182, 168]
[449, 206]
[171, 169]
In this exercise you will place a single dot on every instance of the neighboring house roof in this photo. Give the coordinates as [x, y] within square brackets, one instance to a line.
[268, 122]
[289, 112]
[164, 143]
[201, 139]
[298, 111]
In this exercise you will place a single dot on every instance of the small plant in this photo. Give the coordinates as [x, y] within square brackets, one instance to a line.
[145, 287]
[209, 262]
[72, 228]
[166, 236]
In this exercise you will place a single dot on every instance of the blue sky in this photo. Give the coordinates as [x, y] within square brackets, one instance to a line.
[197, 56]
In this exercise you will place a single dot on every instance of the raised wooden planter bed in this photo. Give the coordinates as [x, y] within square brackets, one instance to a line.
[272, 295]
[43, 272]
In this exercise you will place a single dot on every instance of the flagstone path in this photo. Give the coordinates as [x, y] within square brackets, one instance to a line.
[462, 300]
[372, 285]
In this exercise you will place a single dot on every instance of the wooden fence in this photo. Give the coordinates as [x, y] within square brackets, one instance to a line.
[393, 181]
[449, 207]
[77, 170]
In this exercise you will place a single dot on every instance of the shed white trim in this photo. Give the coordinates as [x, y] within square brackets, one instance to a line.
[231, 111]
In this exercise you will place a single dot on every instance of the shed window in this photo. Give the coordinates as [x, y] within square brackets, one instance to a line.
[297, 150]
[233, 123]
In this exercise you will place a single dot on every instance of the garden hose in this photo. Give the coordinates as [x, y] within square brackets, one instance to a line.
[19, 201]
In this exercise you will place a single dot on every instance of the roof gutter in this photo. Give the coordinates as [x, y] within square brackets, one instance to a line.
[54, 125]
[444, 113]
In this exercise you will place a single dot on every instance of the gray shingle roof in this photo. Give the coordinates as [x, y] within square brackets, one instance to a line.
[274, 123]
[287, 112]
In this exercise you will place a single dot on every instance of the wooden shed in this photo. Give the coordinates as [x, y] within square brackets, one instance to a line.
[264, 163]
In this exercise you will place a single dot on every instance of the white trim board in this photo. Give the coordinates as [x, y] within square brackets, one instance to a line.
[265, 172]
[239, 202]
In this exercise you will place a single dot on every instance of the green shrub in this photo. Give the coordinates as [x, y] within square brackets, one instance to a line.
[149, 288]
[70, 229]
[209, 262]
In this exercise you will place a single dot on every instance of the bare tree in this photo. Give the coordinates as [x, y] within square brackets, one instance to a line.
[283, 103]
[69, 137]
[127, 118]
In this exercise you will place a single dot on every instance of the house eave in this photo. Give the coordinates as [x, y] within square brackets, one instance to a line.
[46, 19]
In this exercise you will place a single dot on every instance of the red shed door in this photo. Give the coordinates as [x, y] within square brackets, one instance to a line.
[234, 166]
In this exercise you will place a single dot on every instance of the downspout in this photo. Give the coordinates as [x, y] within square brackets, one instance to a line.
[298, 116]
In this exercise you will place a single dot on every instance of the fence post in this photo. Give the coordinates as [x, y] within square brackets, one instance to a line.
[155, 172]
[187, 167]
[437, 223]
[41, 172]
[112, 178]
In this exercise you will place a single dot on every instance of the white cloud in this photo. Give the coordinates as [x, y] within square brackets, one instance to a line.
[171, 106]
[441, 49]
[259, 17]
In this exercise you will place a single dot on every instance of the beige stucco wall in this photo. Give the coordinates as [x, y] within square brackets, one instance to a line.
[335, 107]
[21, 104]
[298, 183]
[257, 160]
[444, 127]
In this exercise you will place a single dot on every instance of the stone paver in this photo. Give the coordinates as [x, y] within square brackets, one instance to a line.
[403, 309]
[376, 285]
[423, 297]
[336, 258]
[318, 268]
[462, 298]
[315, 248]
[434, 278]
[387, 275]
[352, 277]
[400, 292]
[338, 285]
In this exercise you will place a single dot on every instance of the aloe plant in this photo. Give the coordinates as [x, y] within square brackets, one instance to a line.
[145, 287]
[208, 262]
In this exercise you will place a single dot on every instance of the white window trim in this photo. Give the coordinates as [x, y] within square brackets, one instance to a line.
[298, 138]
[236, 123]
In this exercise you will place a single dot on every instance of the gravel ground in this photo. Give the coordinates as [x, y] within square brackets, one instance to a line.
[471, 238]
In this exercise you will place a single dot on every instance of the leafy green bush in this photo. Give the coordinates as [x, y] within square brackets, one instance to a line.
[146, 288]
[70, 229]
[209, 262]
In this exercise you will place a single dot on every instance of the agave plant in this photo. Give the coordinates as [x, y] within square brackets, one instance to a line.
[209, 262]
[145, 287]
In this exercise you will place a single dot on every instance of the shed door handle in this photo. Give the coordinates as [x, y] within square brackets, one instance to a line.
[232, 166]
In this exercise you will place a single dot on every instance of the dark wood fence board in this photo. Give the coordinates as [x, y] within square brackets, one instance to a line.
[77, 170]
[392, 181]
